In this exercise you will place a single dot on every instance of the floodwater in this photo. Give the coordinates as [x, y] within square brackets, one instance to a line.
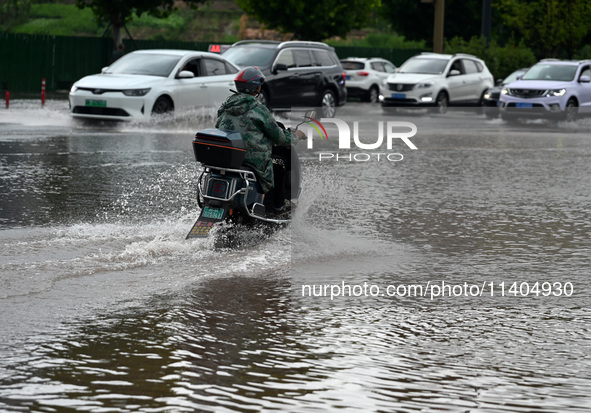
[456, 279]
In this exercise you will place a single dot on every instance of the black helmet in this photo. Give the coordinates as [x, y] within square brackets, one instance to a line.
[249, 79]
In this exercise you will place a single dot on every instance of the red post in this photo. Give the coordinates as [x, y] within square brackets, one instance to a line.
[7, 99]
[43, 93]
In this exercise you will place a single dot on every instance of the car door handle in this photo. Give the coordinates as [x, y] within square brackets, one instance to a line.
[203, 86]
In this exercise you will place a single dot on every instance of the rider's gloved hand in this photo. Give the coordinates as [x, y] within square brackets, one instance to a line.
[301, 135]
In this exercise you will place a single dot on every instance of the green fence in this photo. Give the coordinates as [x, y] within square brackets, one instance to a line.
[25, 60]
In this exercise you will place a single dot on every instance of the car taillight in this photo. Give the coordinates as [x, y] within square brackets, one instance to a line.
[362, 74]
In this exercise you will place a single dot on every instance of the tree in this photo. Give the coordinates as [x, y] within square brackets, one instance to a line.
[120, 12]
[552, 28]
[413, 19]
[311, 19]
[13, 11]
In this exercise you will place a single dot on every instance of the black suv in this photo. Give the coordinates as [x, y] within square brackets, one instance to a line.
[298, 74]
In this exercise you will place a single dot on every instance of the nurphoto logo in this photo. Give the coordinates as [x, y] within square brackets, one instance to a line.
[387, 132]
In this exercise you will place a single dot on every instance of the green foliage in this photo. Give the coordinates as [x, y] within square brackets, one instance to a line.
[59, 20]
[118, 13]
[13, 12]
[174, 22]
[552, 28]
[584, 53]
[311, 20]
[500, 60]
[380, 40]
[414, 18]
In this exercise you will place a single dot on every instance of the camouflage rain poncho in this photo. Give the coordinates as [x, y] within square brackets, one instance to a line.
[243, 113]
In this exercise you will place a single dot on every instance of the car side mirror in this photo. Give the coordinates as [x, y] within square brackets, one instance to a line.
[185, 74]
[278, 67]
[585, 79]
[454, 72]
[104, 69]
[500, 82]
[519, 77]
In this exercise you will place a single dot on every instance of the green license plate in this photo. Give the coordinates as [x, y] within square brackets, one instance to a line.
[96, 103]
[215, 213]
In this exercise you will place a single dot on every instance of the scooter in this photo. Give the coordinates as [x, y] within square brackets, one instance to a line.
[228, 191]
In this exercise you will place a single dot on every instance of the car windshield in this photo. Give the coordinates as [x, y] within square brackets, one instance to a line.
[424, 65]
[249, 55]
[513, 76]
[151, 64]
[562, 73]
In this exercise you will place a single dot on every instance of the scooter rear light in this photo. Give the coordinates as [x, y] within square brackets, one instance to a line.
[219, 188]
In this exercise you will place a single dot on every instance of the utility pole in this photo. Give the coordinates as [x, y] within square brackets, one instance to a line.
[438, 24]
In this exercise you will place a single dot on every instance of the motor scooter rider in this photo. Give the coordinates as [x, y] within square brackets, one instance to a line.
[242, 112]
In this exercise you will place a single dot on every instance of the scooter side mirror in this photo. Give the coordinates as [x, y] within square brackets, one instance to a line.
[310, 114]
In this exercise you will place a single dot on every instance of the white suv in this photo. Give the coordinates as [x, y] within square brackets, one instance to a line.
[365, 76]
[439, 80]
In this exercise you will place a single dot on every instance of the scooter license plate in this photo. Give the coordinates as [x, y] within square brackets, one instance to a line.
[214, 213]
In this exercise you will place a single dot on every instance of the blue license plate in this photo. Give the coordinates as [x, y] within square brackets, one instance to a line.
[398, 95]
[523, 105]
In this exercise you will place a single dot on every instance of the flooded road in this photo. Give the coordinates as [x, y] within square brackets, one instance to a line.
[454, 279]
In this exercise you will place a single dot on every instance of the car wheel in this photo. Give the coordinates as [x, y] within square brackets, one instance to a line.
[442, 102]
[373, 94]
[328, 104]
[162, 105]
[481, 107]
[571, 110]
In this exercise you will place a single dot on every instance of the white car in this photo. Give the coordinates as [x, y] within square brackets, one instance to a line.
[439, 80]
[147, 82]
[364, 76]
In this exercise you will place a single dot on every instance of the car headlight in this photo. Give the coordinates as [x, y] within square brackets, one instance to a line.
[487, 95]
[505, 91]
[556, 92]
[73, 89]
[136, 92]
[424, 85]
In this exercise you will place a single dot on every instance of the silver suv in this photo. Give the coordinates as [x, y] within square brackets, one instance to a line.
[439, 80]
[559, 89]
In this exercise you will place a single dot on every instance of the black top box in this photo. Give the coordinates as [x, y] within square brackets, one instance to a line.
[217, 147]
